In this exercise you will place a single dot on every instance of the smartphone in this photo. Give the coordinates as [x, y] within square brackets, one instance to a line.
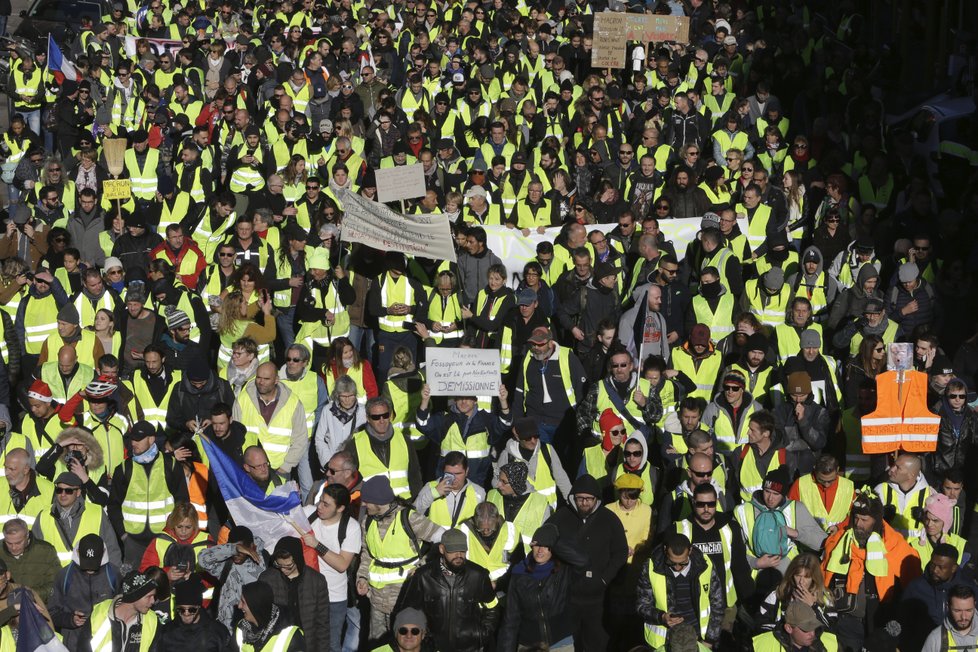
[448, 478]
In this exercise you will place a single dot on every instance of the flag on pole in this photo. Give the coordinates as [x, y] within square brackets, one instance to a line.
[274, 516]
[33, 633]
[57, 64]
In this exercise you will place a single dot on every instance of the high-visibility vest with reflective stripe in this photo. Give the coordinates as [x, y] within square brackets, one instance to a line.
[148, 500]
[32, 508]
[889, 337]
[685, 527]
[542, 480]
[768, 642]
[704, 376]
[756, 225]
[392, 557]
[28, 85]
[86, 312]
[316, 332]
[438, 511]
[405, 409]
[880, 198]
[475, 445]
[153, 412]
[307, 389]
[163, 542]
[604, 402]
[143, 180]
[52, 376]
[723, 430]
[719, 260]
[41, 441]
[108, 434]
[370, 464]
[395, 291]
[773, 311]
[909, 522]
[726, 142]
[247, 177]
[926, 550]
[528, 519]
[448, 315]
[496, 559]
[102, 628]
[812, 499]
[527, 219]
[301, 97]
[901, 419]
[40, 320]
[278, 643]
[721, 321]
[208, 240]
[84, 348]
[276, 436]
[563, 361]
[655, 635]
[89, 523]
[751, 477]
[814, 293]
[857, 462]
[789, 339]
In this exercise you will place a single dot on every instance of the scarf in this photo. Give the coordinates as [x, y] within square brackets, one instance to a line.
[538, 572]
[340, 414]
[238, 377]
[148, 456]
[257, 637]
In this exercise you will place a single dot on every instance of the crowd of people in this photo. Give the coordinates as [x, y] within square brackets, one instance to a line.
[674, 459]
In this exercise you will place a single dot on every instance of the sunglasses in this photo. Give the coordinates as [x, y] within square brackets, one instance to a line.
[413, 631]
[378, 417]
[661, 208]
[732, 388]
[633, 453]
[620, 365]
[65, 490]
[958, 396]
[617, 431]
[701, 474]
[225, 255]
[705, 503]
[188, 610]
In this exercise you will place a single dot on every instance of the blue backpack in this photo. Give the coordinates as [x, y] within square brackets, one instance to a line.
[770, 535]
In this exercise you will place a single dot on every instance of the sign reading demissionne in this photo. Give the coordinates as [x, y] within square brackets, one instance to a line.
[462, 372]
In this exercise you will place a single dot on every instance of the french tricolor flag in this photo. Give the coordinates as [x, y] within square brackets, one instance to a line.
[33, 633]
[57, 64]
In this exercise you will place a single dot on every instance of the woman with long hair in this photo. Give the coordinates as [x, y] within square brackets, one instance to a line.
[181, 533]
[868, 363]
[344, 359]
[294, 175]
[563, 193]
[250, 282]
[794, 194]
[234, 322]
[104, 329]
[803, 582]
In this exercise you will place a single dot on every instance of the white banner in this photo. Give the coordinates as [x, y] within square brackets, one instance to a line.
[516, 250]
[400, 182]
[377, 226]
[462, 372]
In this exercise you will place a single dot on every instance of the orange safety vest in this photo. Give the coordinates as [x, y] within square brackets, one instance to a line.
[901, 420]
[197, 488]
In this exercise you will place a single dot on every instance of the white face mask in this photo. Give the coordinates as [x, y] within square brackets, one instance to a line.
[347, 362]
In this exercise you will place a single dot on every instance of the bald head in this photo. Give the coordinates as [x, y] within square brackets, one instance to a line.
[67, 359]
[700, 468]
[266, 380]
[17, 467]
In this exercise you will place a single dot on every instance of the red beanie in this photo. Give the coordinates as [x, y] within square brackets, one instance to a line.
[608, 421]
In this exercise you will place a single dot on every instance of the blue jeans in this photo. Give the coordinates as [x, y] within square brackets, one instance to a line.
[337, 616]
[33, 120]
[351, 642]
[547, 432]
[283, 321]
[361, 335]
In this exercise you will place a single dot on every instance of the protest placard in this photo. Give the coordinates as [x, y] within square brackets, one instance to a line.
[402, 182]
[462, 372]
[608, 50]
[116, 189]
[375, 225]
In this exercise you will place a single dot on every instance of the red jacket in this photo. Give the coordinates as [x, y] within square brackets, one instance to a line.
[188, 274]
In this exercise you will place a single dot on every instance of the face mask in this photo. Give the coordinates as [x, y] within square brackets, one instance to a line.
[148, 456]
[778, 256]
[710, 290]
[347, 362]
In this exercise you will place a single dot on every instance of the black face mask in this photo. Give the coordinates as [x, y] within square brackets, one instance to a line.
[711, 290]
[777, 256]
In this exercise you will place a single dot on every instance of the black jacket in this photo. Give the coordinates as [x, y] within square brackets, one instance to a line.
[205, 635]
[599, 535]
[187, 402]
[462, 613]
[313, 602]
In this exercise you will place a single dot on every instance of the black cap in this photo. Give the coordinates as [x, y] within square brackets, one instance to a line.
[141, 430]
[90, 552]
[69, 479]
[519, 157]
[139, 136]
[526, 428]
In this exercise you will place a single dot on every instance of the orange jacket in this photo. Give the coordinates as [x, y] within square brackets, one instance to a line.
[904, 563]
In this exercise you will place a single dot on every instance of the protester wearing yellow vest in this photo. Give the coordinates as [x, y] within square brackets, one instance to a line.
[453, 498]
[263, 628]
[284, 434]
[392, 538]
[34, 492]
[827, 495]
[801, 630]
[525, 509]
[72, 518]
[938, 517]
[905, 494]
[545, 473]
[699, 361]
[134, 608]
[379, 449]
[676, 562]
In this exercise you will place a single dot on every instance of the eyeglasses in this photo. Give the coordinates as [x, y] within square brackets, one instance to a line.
[633, 453]
[413, 631]
[266, 465]
[732, 388]
[692, 153]
[620, 365]
[379, 417]
[958, 396]
[188, 610]
[705, 503]
[65, 490]
[385, 122]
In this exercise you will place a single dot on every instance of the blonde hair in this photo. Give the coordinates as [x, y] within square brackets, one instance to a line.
[230, 312]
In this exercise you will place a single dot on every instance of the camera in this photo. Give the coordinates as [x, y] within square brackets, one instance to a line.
[75, 455]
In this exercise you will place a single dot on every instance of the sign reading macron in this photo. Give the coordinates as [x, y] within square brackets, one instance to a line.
[462, 372]
[373, 224]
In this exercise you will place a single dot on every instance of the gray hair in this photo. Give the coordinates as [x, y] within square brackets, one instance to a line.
[345, 385]
[486, 513]
[379, 400]
[301, 350]
[14, 526]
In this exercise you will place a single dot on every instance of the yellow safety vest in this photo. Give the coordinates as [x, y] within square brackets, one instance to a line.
[52, 376]
[756, 225]
[90, 523]
[40, 320]
[311, 333]
[370, 464]
[768, 642]
[751, 477]
[29, 87]
[451, 313]
[563, 360]
[789, 339]
[102, 628]
[723, 429]
[496, 559]
[393, 556]
[685, 527]
[528, 519]
[276, 436]
[655, 635]
[395, 291]
[148, 500]
[153, 412]
[773, 312]
[34, 506]
[278, 643]
[812, 499]
[307, 389]
[704, 376]
[910, 522]
[143, 180]
[438, 511]
[720, 322]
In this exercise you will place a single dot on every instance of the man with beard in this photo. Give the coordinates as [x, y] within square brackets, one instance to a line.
[874, 321]
[959, 630]
[456, 596]
[685, 197]
[718, 536]
[821, 370]
[194, 627]
[641, 185]
[866, 563]
[600, 300]
[599, 533]
[753, 364]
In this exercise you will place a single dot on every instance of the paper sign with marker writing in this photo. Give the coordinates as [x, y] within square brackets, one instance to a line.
[375, 225]
[402, 182]
[462, 372]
